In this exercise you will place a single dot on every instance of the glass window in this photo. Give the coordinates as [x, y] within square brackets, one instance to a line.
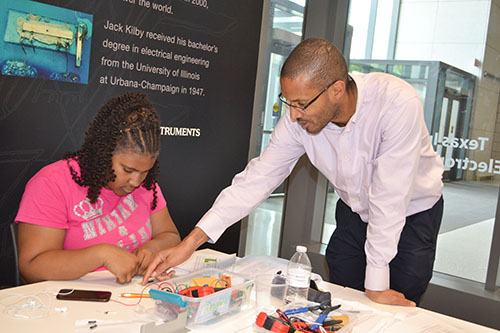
[285, 32]
[449, 52]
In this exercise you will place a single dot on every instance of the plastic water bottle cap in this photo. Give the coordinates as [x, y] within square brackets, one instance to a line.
[301, 248]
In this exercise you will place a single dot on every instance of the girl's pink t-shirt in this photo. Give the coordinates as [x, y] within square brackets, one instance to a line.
[53, 199]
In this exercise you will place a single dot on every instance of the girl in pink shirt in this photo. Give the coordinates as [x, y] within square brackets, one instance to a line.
[101, 205]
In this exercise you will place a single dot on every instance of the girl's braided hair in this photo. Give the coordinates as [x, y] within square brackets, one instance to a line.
[125, 123]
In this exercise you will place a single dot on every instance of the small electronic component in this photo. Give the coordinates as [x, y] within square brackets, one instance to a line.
[285, 321]
[36, 31]
[273, 324]
[199, 291]
[33, 28]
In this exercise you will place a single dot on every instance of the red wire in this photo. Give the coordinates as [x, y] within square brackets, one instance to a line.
[298, 325]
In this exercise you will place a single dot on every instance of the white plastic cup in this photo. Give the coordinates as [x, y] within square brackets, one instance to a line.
[269, 295]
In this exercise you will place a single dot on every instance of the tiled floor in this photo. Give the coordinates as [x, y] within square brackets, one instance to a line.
[464, 252]
[463, 243]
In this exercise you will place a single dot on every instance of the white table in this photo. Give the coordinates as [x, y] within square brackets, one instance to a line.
[115, 317]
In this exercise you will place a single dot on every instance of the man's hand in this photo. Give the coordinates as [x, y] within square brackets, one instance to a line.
[168, 258]
[389, 296]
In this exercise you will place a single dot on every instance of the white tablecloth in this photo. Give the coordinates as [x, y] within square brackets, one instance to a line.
[34, 308]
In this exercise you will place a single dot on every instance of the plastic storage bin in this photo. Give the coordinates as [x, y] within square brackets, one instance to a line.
[207, 308]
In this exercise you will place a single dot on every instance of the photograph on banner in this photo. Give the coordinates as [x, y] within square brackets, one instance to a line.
[45, 42]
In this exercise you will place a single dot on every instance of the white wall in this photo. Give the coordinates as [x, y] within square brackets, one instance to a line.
[451, 31]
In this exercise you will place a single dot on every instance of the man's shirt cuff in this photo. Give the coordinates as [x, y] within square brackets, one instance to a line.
[377, 278]
[212, 225]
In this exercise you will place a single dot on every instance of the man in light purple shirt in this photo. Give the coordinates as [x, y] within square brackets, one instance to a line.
[366, 133]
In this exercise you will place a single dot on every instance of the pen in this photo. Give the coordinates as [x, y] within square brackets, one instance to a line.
[132, 295]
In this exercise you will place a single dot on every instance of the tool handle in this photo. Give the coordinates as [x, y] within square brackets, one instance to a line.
[295, 311]
[319, 321]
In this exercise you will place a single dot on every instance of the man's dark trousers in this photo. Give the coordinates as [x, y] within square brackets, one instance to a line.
[410, 270]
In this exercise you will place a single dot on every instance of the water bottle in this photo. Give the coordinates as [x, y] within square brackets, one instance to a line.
[298, 276]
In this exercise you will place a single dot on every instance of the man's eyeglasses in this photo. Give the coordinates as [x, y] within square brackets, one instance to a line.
[303, 108]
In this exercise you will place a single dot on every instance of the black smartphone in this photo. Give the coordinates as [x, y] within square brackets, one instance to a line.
[83, 295]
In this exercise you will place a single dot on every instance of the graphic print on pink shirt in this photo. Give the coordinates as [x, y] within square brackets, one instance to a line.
[125, 225]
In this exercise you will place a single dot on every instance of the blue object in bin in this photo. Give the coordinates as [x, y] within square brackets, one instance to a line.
[167, 297]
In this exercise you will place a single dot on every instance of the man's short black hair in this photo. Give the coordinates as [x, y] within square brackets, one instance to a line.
[319, 59]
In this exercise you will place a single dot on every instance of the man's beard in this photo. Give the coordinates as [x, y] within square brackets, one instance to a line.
[333, 113]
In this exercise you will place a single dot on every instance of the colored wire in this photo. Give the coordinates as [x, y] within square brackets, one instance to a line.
[299, 324]
[172, 288]
[140, 297]
[185, 285]
[224, 283]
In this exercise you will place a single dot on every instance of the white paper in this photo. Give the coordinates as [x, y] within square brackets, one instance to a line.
[206, 259]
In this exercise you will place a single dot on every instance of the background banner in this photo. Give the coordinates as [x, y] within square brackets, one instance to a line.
[196, 59]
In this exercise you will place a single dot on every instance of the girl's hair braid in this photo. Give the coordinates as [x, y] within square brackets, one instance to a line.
[125, 123]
